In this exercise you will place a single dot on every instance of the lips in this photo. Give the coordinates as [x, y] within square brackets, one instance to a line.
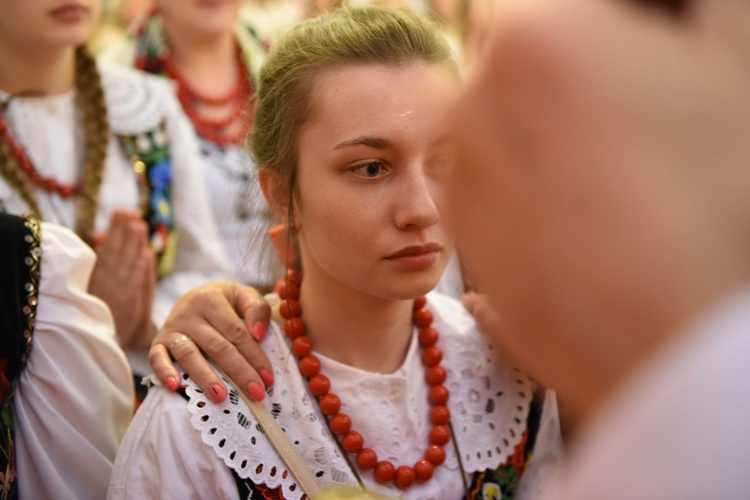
[416, 257]
[415, 250]
[70, 12]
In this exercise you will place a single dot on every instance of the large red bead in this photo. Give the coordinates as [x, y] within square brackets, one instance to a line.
[330, 404]
[440, 415]
[435, 375]
[294, 276]
[428, 336]
[309, 366]
[302, 346]
[290, 308]
[66, 191]
[423, 318]
[419, 303]
[352, 442]
[440, 435]
[320, 385]
[50, 184]
[294, 327]
[435, 454]
[404, 476]
[340, 424]
[423, 470]
[432, 355]
[288, 290]
[367, 459]
[25, 163]
[438, 395]
[384, 472]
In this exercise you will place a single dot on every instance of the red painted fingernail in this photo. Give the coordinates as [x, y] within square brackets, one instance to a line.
[172, 384]
[267, 377]
[218, 393]
[259, 331]
[256, 391]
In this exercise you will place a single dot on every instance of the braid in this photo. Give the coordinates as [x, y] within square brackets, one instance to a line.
[90, 98]
[96, 132]
[12, 173]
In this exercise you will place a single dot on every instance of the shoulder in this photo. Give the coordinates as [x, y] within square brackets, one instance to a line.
[136, 101]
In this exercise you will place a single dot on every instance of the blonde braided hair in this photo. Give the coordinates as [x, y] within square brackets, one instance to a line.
[96, 132]
[19, 182]
[90, 97]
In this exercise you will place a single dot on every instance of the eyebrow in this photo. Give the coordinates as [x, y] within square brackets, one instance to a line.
[373, 142]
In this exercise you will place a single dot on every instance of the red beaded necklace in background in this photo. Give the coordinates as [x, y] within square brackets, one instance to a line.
[49, 184]
[215, 130]
[330, 404]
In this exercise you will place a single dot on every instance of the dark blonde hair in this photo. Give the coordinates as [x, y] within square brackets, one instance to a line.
[347, 36]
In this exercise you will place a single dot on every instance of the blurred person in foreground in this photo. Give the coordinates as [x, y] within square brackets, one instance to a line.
[605, 197]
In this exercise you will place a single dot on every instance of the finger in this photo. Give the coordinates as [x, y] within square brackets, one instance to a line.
[148, 285]
[243, 361]
[134, 242]
[250, 305]
[190, 358]
[164, 369]
[113, 240]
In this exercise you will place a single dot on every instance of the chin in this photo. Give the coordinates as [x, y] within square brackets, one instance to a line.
[413, 287]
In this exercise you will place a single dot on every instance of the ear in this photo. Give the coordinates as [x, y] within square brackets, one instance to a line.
[276, 194]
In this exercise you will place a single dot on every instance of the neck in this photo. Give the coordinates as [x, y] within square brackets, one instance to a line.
[208, 63]
[46, 72]
[355, 328]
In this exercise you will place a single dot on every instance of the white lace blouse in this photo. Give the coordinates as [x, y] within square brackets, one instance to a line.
[185, 449]
[51, 131]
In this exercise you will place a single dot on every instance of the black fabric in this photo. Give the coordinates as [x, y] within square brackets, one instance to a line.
[14, 275]
[20, 261]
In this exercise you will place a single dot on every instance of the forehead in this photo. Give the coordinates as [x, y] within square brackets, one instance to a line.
[382, 99]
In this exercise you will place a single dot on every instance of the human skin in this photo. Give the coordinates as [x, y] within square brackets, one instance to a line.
[369, 183]
[401, 206]
[602, 189]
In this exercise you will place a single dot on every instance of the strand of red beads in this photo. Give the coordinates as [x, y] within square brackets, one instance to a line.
[330, 404]
[49, 184]
[216, 130]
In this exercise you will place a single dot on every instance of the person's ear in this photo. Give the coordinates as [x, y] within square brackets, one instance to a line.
[276, 193]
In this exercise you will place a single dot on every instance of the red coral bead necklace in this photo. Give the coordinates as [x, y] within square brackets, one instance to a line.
[49, 184]
[340, 424]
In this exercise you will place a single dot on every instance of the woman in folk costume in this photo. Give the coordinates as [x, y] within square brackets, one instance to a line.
[66, 393]
[109, 153]
[213, 60]
[375, 385]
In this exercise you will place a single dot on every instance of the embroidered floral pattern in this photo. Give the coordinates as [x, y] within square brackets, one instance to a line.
[152, 165]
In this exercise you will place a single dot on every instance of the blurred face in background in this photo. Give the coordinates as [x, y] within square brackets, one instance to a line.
[47, 25]
[199, 18]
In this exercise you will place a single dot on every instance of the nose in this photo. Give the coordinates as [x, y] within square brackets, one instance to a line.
[415, 206]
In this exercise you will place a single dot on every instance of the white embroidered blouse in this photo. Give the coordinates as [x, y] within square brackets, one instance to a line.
[51, 131]
[180, 449]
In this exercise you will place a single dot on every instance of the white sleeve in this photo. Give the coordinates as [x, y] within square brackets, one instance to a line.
[163, 456]
[74, 399]
[547, 457]
[199, 257]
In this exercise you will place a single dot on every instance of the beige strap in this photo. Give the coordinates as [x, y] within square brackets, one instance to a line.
[302, 474]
